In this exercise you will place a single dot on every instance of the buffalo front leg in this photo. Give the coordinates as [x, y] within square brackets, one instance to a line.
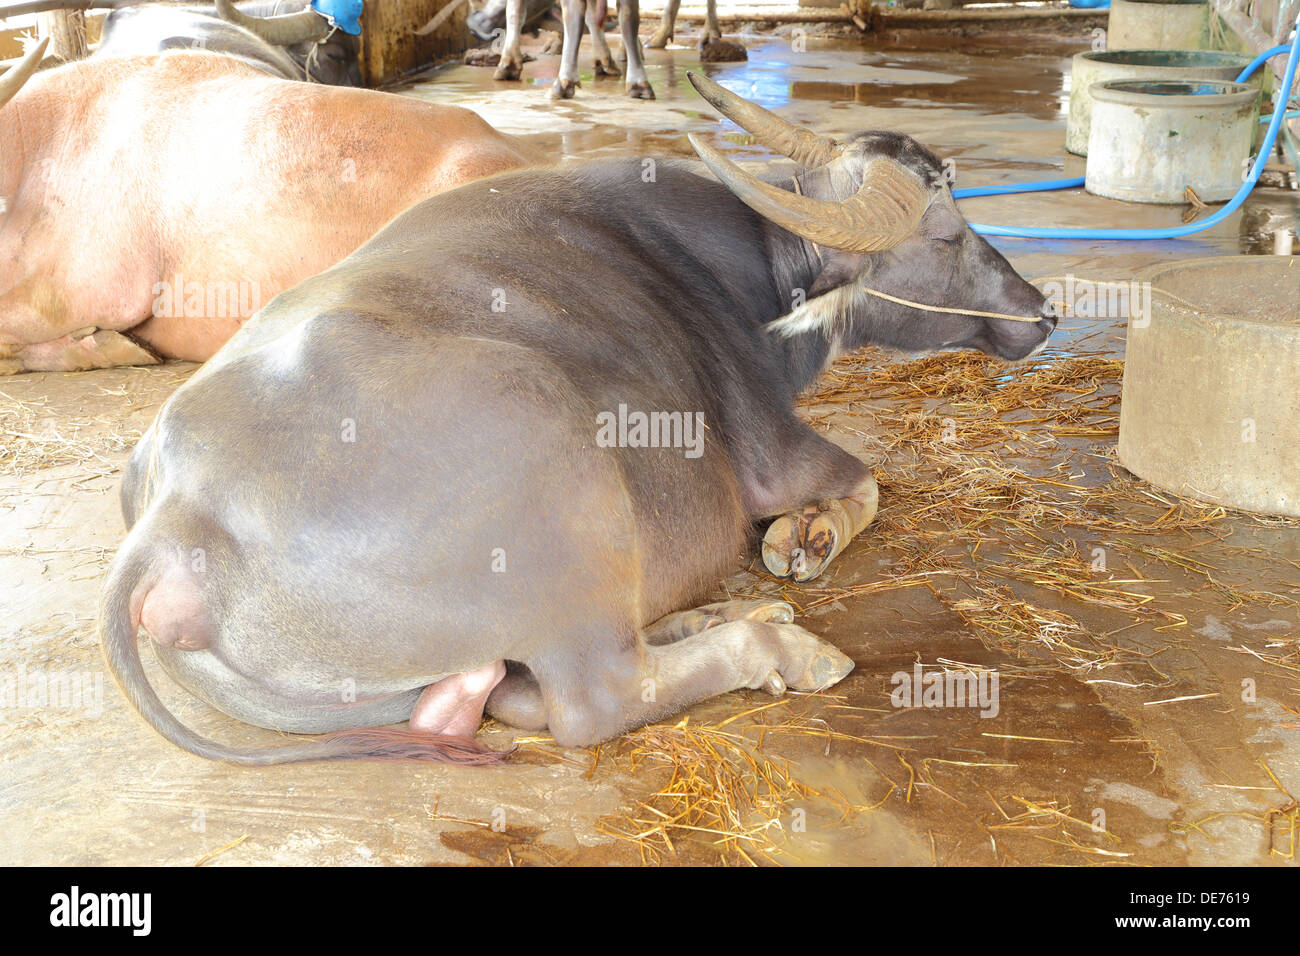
[679, 625]
[665, 32]
[802, 543]
[629, 21]
[566, 81]
[511, 66]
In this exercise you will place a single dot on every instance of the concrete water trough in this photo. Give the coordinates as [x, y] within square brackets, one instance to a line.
[1152, 139]
[1089, 68]
[1211, 396]
[1157, 25]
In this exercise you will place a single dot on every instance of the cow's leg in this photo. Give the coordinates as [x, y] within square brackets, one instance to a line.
[79, 351]
[711, 31]
[820, 494]
[598, 689]
[454, 705]
[566, 81]
[802, 543]
[629, 21]
[665, 32]
[511, 66]
[603, 58]
[517, 699]
[682, 624]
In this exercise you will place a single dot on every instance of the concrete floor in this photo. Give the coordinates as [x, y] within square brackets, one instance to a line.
[1178, 783]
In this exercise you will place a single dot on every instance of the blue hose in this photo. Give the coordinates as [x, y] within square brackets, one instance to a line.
[1173, 232]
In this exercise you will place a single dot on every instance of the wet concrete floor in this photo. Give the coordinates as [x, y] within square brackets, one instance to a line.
[1149, 753]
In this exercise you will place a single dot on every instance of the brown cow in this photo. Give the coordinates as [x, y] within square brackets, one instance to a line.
[150, 205]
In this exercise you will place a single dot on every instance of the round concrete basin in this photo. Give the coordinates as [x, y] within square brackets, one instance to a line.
[1089, 68]
[1151, 139]
[1211, 396]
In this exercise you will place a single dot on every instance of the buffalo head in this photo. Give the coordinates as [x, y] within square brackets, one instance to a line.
[326, 54]
[881, 219]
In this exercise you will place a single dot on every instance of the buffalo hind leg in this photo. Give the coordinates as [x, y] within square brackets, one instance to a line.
[590, 694]
[517, 700]
[801, 544]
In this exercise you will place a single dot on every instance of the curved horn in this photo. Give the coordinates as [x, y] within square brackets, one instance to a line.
[802, 145]
[284, 30]
[12, 81]
[884, 211]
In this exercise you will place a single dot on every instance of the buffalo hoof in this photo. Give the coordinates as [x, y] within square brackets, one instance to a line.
[717, 50]
[607, 68]
[801, 544]
[825, 670]
[509, 70]
[640, 91]
[554, 45]
[660, 39]
[806, 663]
[563, 89]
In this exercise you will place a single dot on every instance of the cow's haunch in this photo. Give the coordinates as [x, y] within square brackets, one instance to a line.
[437, 479]
[168, 197]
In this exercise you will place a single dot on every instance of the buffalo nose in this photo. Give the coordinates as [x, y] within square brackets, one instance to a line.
[1049, 317]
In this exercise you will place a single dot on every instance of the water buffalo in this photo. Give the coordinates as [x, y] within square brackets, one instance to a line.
[283, 37]
[439, 477]
[169, 196]
[575, 12]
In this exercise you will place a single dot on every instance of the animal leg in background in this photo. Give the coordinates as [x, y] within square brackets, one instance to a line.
[566, 81]
[603, 59]
[665, 32]
[511, 66]
[711, 32]
[629, 21]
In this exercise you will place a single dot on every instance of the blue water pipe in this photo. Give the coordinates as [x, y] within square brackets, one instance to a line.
[1173, 232]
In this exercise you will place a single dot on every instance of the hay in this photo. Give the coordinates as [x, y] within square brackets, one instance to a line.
[722, 790]
[33, 438]
[975, 489]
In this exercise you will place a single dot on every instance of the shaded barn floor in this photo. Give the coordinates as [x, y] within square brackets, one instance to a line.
[1127, 627]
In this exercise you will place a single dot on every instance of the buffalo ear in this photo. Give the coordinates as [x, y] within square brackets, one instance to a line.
[837, 269]
[943, 222]
[828, 304]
